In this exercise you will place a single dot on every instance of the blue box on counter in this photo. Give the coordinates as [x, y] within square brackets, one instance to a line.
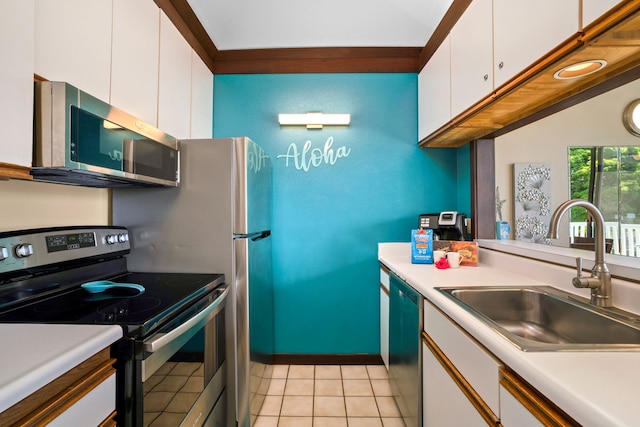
[422, 246]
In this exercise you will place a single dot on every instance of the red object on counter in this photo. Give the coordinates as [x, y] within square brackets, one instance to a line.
[442, 263]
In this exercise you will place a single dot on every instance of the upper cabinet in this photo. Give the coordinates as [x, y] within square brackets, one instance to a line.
[471, 56]
[73, 43]
[201, 98]
[174, 90]
[523, 31]
[489, 47]
[127, 53]
[16, 85]
[434, 91]
[134, 58]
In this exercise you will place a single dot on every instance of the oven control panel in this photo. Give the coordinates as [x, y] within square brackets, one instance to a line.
[28, 249]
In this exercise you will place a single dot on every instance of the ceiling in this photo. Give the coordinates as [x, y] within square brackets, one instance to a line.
[259, 24]
[284, 36]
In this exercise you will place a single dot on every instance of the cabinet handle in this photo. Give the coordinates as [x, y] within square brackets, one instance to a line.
[501, 65]
[486, 77]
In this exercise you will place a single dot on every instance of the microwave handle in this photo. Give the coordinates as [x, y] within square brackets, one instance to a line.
[161, 339]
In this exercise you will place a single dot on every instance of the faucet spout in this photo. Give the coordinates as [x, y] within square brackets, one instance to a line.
[600, 280]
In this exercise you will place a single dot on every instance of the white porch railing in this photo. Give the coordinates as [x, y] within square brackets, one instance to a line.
[626, 237]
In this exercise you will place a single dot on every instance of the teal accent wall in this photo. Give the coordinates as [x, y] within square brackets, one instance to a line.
[352, 188]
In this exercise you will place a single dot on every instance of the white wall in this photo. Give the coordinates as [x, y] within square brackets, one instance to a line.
[27, 204]
[597, 121]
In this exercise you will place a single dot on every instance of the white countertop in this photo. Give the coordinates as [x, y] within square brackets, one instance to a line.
[33, 355]
[596, 388]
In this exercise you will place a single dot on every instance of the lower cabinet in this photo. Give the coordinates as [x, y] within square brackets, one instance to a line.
[463, 384]
[444, 401]
[83, 396]
[384, 315]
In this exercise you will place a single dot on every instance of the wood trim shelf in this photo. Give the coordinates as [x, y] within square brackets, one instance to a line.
[473, 396]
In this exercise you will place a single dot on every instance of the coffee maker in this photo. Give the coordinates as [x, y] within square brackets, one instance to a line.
[446, 225]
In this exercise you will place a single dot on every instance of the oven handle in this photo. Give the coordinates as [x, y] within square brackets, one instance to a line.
[161, 339]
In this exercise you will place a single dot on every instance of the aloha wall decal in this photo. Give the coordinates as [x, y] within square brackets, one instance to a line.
[306, 156]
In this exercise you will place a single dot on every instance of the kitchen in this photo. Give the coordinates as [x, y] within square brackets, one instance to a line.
[373, 208]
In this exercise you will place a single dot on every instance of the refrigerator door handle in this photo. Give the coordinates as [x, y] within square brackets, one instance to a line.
[254, 236]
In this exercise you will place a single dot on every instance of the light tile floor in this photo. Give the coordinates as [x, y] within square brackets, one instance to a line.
[329, 396]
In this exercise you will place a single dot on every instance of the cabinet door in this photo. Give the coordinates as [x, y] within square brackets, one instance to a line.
[593, 9]
[73, 43]
[174, 90]
[513, 413]
[471, 58]
[134, 51]
[479, 368]
[384, 317]
[526, 30]
[434, 91]
[16, 85]
[201, 99]
[443, 403]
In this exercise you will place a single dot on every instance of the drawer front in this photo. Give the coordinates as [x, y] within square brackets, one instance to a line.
[477, 366]
[92, 409]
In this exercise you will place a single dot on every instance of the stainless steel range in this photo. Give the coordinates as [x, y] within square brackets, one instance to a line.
[172, 322]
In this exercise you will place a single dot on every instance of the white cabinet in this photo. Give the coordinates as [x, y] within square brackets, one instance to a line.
[134, 63]
[523, 31]
[384, 315]
[201, 98]
[515, 414]
[174, 90]
[92, 409]
[434, 91]
[593, 9]
[464, 384]
[444, 403]
[16, 81]
[471, 58]
[477, 366]
[73, 43]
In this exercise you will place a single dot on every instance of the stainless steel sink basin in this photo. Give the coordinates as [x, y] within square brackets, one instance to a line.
[547, 319]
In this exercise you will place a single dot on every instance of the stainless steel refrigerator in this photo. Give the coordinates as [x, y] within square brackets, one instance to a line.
[217, 221]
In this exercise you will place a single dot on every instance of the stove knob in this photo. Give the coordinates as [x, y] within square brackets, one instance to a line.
[123, 237]
[112, 239]
[24, 250]
[4, 253]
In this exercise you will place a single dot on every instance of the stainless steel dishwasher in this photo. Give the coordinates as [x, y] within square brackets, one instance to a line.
[405, 351]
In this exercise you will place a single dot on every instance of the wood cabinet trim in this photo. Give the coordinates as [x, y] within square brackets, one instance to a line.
[110, 421]
[9, 171]
[473, 396]
[538, 405]
[63, 391]
[384, 289]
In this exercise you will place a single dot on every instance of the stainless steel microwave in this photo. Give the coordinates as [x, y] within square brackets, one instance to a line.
[82, 140]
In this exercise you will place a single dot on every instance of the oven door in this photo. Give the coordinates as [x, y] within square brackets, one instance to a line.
[182, 369]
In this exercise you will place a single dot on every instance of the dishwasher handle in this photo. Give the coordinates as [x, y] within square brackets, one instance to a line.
[161, 339]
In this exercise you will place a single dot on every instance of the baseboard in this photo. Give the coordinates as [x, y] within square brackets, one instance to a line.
[327, 359]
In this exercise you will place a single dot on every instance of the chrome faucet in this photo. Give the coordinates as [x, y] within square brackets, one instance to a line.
[600, 280]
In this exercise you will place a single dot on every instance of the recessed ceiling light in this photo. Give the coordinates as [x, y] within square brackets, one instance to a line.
[580, 69]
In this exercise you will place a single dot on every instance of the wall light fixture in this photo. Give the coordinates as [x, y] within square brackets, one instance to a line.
[314, 120]
[631, 118]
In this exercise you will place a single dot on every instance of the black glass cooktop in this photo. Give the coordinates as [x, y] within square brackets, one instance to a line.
[164, 295]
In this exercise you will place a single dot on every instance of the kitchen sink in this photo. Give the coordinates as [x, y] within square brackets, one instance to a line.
[543, 318]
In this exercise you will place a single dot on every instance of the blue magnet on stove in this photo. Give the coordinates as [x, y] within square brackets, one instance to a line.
[107, 285]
